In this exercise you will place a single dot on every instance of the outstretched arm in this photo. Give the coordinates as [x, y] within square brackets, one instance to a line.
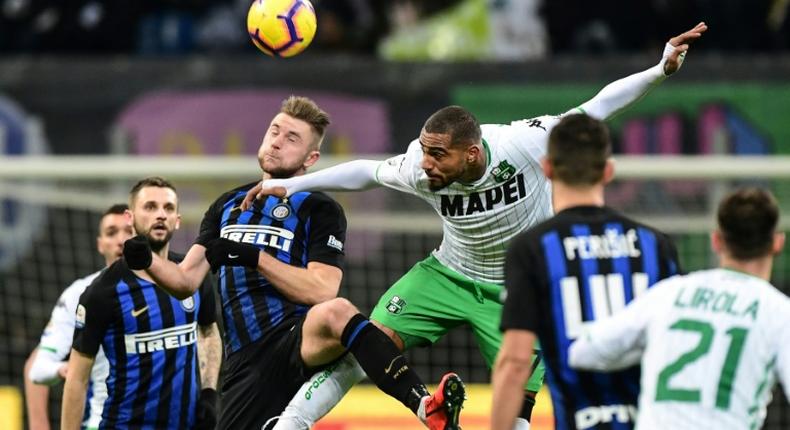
[350, 176]
[621, 94]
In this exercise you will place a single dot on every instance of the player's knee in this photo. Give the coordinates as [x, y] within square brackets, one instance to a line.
[336, 313]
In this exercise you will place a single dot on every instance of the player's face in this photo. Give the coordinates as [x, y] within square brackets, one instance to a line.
[155, 215]
[287, 148]
[114, 229]
[442, 162]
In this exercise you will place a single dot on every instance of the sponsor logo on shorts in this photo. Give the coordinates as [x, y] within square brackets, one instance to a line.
[396, 305]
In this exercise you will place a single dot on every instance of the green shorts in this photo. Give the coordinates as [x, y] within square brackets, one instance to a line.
[431, 299]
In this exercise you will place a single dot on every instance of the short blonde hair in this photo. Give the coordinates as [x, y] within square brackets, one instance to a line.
[304, 109]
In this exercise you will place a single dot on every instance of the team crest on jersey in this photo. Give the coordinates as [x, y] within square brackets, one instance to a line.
[281, 211]
[503, 171]
[396, 305]
[188, 304]
[79, 321]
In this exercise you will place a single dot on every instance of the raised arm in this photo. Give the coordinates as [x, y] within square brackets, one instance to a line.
[350, 176]
[621, 94]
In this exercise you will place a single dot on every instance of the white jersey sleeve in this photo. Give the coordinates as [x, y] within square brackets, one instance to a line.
[55, 346]
[616, 342]
[402, 172]
[55, 343]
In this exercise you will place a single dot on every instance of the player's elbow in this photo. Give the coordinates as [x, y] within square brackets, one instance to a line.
[580, 356]
[41, 373]
[326, 291]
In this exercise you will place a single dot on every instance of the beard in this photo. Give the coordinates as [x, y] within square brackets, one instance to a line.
[156, 244]
[281, 171]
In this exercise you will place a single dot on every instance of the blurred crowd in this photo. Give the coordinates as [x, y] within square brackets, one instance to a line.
[396, 29]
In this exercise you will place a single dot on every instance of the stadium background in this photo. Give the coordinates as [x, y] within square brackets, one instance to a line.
[156, 81]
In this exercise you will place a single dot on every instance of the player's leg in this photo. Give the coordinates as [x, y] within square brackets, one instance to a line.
[418, 310]
[484, 317]
[334, 326]
[259, 381]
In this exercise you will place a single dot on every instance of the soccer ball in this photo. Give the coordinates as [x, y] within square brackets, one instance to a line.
[281, 28]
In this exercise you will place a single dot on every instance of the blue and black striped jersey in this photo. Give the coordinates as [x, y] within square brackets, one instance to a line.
[150, 340]
[307, 226]
[583, 264]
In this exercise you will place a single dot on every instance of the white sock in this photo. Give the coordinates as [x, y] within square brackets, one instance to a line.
[320, 394]
[521, 424]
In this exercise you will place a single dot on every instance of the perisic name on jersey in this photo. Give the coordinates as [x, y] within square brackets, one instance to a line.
[611, 244]
[274, 237]
[508, 193]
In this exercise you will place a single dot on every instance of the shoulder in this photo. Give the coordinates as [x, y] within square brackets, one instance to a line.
[316, 202]
[103, 285]
[234, 193]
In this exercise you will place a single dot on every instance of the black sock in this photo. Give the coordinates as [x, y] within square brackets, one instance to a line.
[381, 360]
[526, 407]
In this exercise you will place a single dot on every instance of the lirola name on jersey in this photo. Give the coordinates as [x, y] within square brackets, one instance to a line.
[510, 192]
[611, 244]
[160, 340]
[275, 237]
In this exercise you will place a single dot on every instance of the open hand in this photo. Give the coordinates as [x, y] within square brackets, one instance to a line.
[681, 44]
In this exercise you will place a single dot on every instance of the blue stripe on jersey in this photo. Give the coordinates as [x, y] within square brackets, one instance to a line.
[649, 254]
[177, 383]
[240, 284]
[132, 360]
[557, 400]
[247, 307]
[290, 223]
[109, 353]
[88, 397]
[304, 241]
[231, 332]
[589, 267]
[555, 259]
[621, 264]
[157, 357]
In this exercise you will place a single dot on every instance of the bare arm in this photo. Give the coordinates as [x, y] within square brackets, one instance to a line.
[316, 283]
[620, 94]
[74, 392]
[180, 280]
[511, 371]
[36, 399]
[209, 355]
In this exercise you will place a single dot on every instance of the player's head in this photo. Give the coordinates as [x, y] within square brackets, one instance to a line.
[293, 140]
[114, 229]
[451, 147]
[579, 152]
[747, 220]
[153, 205]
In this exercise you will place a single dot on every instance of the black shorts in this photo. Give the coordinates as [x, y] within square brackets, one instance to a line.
[261, 378]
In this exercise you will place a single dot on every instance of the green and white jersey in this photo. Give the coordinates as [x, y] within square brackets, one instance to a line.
[481, 218]
[713, 344]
